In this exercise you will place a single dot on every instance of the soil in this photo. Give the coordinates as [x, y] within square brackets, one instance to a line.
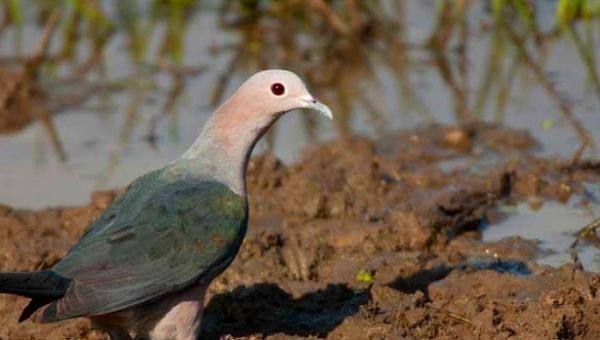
[365, 239]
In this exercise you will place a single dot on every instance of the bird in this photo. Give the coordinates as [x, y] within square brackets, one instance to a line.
[142, 268]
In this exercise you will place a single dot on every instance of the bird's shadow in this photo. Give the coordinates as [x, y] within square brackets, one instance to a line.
[267, 309]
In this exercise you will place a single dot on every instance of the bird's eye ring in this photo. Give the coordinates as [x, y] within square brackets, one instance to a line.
[277, 89]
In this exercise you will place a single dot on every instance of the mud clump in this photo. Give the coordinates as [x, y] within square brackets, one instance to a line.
[366, 239]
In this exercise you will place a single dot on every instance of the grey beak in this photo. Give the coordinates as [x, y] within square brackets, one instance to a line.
[316, 105]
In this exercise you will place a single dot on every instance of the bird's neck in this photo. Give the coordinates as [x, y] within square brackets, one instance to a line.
[224, 146]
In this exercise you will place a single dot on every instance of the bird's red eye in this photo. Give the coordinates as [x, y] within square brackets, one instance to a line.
[278, 89]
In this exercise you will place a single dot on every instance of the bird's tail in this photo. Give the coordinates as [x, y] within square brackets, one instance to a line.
[44, 283]
[42, 287]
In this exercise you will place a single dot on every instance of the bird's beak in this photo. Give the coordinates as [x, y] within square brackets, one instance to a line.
[313, 104]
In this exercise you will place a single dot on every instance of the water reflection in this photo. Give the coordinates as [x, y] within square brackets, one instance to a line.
[128, 83]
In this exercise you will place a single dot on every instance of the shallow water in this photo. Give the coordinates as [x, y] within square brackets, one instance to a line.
[554, 225]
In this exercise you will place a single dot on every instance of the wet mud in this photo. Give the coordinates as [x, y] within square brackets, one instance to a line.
[367, 239]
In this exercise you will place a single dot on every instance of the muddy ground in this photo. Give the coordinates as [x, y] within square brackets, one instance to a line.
[366, 239]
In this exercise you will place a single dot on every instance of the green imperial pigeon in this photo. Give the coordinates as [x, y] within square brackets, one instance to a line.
[141, 270]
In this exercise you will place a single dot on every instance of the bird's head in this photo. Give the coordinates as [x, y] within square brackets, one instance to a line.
[273, 92]
[226, 142]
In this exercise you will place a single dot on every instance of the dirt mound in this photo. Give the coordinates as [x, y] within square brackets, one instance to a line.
[366, 239]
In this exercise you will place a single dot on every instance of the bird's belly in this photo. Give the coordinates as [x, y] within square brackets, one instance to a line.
[177, 316]
[182, 315]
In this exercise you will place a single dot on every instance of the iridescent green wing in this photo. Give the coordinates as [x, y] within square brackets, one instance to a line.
[149, 246]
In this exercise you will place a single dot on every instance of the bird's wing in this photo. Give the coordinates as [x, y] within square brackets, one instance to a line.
[140, 250]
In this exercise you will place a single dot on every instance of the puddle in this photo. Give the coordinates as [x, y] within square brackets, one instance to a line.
[554, 225]
[517, 268]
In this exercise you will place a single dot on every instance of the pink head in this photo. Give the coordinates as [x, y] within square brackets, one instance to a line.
[236, 126]
[275, 91]
[265, 96]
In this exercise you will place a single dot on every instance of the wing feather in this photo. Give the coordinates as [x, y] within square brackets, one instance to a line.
[141, 250]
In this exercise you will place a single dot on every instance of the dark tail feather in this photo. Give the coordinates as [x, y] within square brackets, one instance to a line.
[45, 283]
[42, 287]
[33, 305]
